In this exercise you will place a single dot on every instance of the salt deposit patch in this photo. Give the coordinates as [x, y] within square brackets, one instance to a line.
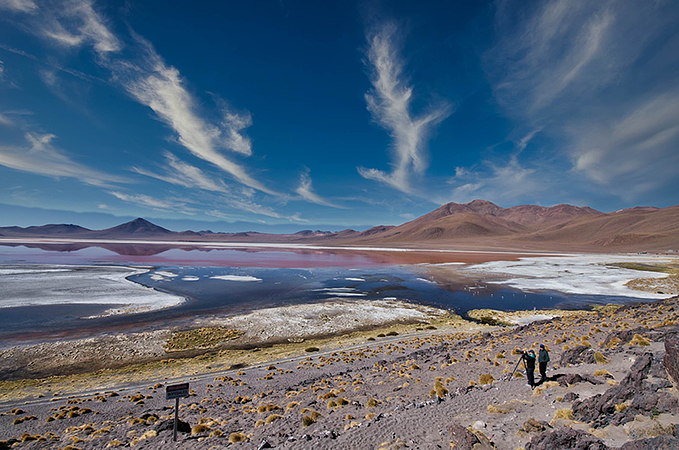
[346, 294]
[354, 279]
[190, 278]
[43, 285]
[579, 274]
[235, 278]
[166, 273]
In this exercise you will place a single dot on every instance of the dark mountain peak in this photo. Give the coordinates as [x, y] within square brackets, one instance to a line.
[136, 227]
[483, 207]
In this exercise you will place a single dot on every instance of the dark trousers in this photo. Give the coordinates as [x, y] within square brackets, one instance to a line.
[543, 370]
[530, 374]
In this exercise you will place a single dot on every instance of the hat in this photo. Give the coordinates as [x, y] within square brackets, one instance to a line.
[542, 345]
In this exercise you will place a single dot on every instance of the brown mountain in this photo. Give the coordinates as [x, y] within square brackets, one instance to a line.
[483, 225]
[478, 225]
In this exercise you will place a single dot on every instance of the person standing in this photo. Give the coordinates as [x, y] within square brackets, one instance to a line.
[529, 361]
[543, 359]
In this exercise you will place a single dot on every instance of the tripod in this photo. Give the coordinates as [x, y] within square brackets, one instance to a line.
[509, 377]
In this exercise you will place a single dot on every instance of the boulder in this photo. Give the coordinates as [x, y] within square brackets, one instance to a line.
[563, 438]
[671, 360]
[657, 443]
[463, 439]
[571, 397]
[533, 426]
[599, 409]
[578, 355]
[573, 378]
[182, 427]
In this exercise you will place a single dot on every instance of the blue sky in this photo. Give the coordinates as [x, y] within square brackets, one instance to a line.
[283, 115]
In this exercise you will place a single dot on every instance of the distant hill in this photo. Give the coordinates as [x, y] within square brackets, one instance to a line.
[479, 225]
[137, 228]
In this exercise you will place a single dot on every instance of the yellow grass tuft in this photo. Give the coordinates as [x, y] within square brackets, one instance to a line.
[237, 437]
[273, 417]
[200, 428]
[564, 414]
[600, 358]
[486, 378]
[639, 340]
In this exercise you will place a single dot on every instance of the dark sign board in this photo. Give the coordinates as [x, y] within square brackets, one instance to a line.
[177, 391]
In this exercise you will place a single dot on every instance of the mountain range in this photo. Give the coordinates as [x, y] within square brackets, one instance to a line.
[479, 225]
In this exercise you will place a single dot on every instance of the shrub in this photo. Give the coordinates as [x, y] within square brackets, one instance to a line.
[370, 416]
[198, 429]
[600, 358]
[486, 378]
[273, 417]
[372, 403]
[392, 333]
[308, 420]
[311, 349]
[237, 437]
[639, 340]
[613, 343]
[564, 414]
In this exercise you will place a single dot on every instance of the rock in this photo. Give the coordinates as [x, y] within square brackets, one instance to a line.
[573, 378]
[578, 355]
[533, 426]
[625, 335]
[599, 409]
[565, 437]
[463, 439]
[671, 360]
[479, 425]
[166, 425]
[264, 444]
[656, 443]
[571, 397]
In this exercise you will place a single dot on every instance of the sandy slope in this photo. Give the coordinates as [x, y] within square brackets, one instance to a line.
[377, 395]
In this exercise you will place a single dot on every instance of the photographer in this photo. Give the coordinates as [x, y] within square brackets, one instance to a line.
[529, 360]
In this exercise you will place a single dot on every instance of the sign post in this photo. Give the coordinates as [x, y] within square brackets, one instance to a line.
[176, 391]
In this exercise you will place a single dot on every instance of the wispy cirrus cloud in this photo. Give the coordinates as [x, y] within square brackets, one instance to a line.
[149, 80]
[181, 173]
[73, 23]
[178, 172]
[41, 157]
[600, 79]
[148, 201]
[389, 101]
[153, 83]
[306, 191]
[22, 6]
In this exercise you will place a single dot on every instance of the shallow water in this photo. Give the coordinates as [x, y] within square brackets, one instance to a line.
[236, 281]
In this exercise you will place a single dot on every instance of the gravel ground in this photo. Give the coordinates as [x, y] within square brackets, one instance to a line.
[394, 392]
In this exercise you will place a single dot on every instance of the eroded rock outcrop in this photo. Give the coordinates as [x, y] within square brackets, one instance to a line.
[463, 439]
[566, 438]
[671, 360]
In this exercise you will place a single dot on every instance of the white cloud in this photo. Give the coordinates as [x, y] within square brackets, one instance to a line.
[160, 87]
[639, 145]
[183, 174]
[25, 6]
[600, 79]
[42, 158]
[502, 183]
[306, 191]
[389, 102]
[73, 23]
[147, 201]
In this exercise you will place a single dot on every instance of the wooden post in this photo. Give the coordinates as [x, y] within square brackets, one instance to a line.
[176, 417]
